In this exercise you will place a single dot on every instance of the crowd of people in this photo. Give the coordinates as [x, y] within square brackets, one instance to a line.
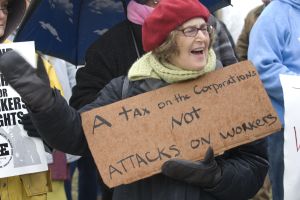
[175, 40]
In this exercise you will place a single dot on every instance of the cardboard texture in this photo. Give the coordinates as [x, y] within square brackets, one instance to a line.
[132, 138]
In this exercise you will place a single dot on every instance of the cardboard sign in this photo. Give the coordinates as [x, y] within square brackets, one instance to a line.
[132, 138]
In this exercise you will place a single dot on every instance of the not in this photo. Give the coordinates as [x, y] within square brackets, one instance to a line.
[187, 117]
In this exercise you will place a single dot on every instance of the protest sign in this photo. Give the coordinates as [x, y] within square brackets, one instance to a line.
[291, 93]
[132, 138]
[19, 154]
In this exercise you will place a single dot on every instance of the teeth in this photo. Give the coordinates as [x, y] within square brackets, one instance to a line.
[198, 49]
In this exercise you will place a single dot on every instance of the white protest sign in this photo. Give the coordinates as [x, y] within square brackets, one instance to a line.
[291, 91]
[19, 154]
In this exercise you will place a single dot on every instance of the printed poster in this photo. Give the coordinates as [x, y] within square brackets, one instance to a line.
[19, 153]
[291, 91]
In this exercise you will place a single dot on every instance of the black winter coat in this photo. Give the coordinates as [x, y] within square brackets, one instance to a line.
[243, 168]
[109, 57]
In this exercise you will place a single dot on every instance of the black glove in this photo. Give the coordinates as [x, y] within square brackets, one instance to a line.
[204, 173]
[35, 92]
[32, 131]
[29, 127]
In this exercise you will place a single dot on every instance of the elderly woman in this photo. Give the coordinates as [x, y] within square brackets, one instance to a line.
[178, 40]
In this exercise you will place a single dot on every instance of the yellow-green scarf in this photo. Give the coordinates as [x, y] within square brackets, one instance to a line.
[149, 67]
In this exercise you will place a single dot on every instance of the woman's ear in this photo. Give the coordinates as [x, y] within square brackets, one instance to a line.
[212, 37]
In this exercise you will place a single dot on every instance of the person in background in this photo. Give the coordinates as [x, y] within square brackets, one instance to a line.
[274, 49]
[55, 72]
[66, 76]
[223, 43]
[243, 40]
[178, 42]
[57, 162]
[265, 193]
[29, 186]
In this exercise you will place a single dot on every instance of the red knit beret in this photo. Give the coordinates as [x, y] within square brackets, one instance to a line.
[168, 15]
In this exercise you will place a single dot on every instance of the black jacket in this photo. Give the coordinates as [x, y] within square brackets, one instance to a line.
[109, 57]
[243, 168]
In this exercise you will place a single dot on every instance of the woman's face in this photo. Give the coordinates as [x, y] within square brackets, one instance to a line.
[192, 42]
[3, 16]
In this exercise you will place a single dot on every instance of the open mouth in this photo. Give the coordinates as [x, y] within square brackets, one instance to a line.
[198, 51]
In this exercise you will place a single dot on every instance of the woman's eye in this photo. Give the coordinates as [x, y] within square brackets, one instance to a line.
[203, 28]
[189, 30]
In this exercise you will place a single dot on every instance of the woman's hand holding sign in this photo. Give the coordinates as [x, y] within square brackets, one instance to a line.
[206, 173]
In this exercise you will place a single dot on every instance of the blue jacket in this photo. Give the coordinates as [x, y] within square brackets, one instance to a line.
[274, 47]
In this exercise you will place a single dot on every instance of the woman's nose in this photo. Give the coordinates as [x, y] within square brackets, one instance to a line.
[200, 35]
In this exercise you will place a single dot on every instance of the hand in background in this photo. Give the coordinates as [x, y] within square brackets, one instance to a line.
[35, 92]
[29, 127]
